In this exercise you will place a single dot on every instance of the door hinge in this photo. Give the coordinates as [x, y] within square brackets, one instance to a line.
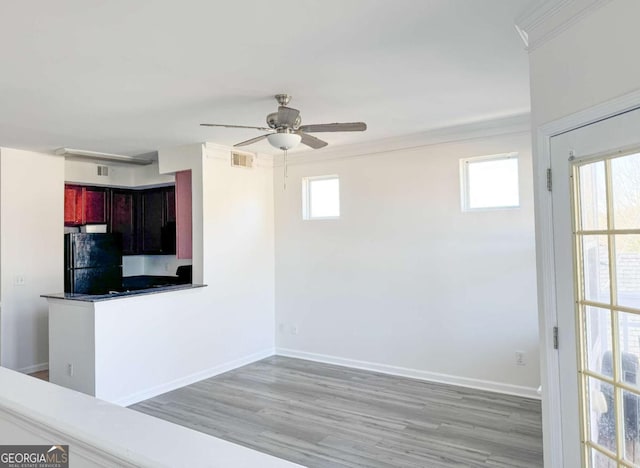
[549, 180]
[555, 337]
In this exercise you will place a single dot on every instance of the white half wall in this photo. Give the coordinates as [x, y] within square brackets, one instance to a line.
[404, 282]
[31, 253]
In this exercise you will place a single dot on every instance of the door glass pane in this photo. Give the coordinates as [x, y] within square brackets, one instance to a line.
[629, 332]
[611, 410]
[595, 269]
[602, 414]
[598, 339]
[625, 187]
[593, 198]
[630, 409]
[628, 270]
[598, 460]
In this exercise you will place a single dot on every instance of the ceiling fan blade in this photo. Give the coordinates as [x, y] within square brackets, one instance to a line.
[311, 141]
[287, 116]
[234, 126]
[253, 140]
[335, 127]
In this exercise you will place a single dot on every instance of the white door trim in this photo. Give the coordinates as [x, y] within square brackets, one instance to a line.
[547, 310]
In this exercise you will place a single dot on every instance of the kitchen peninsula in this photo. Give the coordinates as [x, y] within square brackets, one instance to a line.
[122, 347]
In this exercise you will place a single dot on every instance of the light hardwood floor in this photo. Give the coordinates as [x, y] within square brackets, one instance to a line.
[42, 375]
[321, 415]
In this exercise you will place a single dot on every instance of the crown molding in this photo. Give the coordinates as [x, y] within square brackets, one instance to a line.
[542, 21]
[520, 123]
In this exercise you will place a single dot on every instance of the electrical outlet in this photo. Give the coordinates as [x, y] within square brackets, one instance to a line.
[520, 358]
[70, 369]
[294, 329]
[18, 280]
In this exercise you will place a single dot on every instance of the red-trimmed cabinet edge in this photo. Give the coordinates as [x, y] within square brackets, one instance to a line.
[184, 229]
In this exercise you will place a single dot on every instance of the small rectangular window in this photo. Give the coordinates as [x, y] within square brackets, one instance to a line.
[321, 197]
[489, 182]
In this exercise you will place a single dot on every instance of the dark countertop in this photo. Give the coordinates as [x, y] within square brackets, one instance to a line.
[118, 295]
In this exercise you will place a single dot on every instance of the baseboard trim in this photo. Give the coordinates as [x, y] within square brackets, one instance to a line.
[35, 368]
[498, 387]
[193, 378]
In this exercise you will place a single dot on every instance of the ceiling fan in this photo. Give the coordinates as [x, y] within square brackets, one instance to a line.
[286, 130]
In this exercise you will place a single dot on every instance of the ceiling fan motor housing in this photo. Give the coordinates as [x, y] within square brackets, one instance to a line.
[274, 122]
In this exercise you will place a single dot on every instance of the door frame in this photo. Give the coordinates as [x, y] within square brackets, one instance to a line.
[545, 258]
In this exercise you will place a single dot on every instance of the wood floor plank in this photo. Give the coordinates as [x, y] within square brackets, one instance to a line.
[321, 415]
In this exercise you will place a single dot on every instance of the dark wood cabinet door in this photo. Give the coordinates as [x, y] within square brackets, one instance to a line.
[151, 221]
[168, 234]
[170, 204]
[72, 205]
[123, 219]
[96, 203]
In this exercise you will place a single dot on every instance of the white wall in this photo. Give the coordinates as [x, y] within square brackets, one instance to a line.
[404, 281]
[587, 64]
[31, 247]
[158, 265]
[233, 252]
[133, 265]
[162, 265]
[238, 228]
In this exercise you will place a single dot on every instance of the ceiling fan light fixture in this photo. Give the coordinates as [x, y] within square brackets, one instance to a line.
[284, 140]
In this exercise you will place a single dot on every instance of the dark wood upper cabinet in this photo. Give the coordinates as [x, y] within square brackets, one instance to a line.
[96, 205]
[72, 205]
[145, 218]
[170, 204]
[85, 205]
[158, 221]
[123, 219]
[168, 231]
[151, 222]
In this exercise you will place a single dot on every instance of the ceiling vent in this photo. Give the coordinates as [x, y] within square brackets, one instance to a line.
[241, 160]
[103, 171]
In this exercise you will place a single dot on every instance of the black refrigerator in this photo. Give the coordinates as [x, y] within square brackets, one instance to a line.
[92, 263]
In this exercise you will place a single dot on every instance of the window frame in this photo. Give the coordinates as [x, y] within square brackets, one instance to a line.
[465, 182]
[306, 197]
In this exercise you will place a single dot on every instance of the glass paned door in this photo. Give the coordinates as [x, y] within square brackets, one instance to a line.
[606, 239]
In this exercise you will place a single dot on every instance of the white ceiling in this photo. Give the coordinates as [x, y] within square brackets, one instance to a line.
[130, 77]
